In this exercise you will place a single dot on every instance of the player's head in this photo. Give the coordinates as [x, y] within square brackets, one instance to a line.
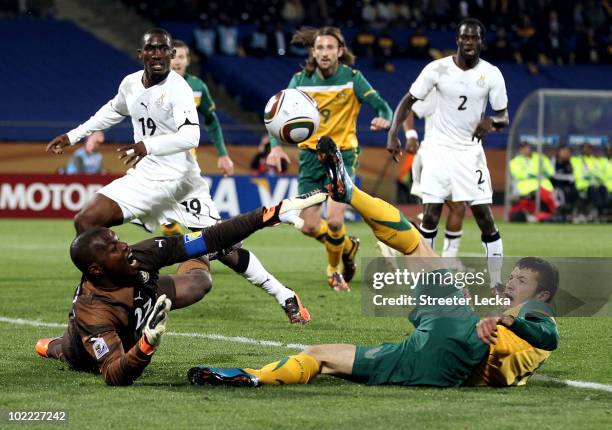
[586, 149]
[156, 52]
[470, 38]
[326, 48]
[525, 149]
[182, 57]
[564, 152]
[92, 144]
[98, 253]
[532, 278]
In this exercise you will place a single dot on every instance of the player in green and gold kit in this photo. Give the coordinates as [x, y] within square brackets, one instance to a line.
[206, 106]
[339, 91]
[450, 346]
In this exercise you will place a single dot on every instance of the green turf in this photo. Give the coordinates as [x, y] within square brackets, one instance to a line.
[38, 281]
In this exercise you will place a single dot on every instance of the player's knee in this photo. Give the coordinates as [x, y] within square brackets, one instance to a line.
[335, 224]
[200, 285]
[315, 351]
[430, 220]
[82, 222]
[310, 229]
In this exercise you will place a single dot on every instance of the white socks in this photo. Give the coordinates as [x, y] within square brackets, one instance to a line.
[257, 274]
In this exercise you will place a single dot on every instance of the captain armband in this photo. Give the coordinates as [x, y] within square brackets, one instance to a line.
[195, 245]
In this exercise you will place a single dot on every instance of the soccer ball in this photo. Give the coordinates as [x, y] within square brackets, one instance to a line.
[291, 116]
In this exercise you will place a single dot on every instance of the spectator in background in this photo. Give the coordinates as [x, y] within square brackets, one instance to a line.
[385, 51]
[228, 37]
[525, 168]
[607, 179]
[590, 183]
[587, 48]
[205, 39]
[278, 40]
[88, 159]
[258, 163]
[365, 43]
[257, 42]
[418, 44]
[293, 12]
[564, 182]
[368, 12]
[500, 49]
[527, 43]
[556, 46]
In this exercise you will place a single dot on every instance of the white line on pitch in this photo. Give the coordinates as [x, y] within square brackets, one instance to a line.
[247, 340]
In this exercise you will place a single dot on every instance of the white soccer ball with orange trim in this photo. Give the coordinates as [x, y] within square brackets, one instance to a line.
[291, 116]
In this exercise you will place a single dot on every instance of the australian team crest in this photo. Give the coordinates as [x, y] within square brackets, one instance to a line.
[481, 81]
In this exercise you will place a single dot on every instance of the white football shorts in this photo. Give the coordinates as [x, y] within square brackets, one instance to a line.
[186, 201]
[458, 175]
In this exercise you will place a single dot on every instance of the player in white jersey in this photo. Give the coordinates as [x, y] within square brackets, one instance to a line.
[425, 109]
[455, 167]
[164, 181]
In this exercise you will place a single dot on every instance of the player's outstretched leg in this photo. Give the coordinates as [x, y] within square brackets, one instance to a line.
[387, 222]
[338, 244]
[295, 369]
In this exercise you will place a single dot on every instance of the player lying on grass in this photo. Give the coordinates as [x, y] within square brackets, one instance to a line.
[450, 346]
[120, 308]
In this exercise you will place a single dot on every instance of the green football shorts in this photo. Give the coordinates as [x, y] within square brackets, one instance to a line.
[312, 173]
[441, 352]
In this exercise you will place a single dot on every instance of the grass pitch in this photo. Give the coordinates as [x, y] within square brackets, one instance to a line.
[37, 283]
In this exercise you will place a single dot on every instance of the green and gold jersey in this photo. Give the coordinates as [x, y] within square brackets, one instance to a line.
[339, 98]
[520, 349]
[206, 106]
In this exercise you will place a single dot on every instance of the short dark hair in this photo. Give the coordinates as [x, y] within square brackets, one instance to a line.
[548, 275]
[472, 21]
[158, 30]
[82, 251]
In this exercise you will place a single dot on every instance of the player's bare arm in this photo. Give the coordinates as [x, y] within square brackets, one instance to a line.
[225, 165]
[412, 138]
[58, 144]
[394, 145]
[495, 122]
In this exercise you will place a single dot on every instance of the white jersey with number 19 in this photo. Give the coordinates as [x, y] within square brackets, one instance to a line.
[164, 118]
[462, 97]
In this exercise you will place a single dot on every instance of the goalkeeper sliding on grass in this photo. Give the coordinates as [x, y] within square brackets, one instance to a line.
[121, 305]
[447, 349]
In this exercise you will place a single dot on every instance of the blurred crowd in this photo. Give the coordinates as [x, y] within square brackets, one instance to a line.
[575, 185]
[527, 31]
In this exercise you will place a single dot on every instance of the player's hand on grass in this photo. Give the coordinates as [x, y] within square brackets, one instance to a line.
[132, 154]
[484, 126]
[58, 144]
[155, 326]
[275, 157]
[379, 124]
[226, 165]
[486, 329]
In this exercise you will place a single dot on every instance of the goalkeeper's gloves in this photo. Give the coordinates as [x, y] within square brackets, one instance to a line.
[155, 326]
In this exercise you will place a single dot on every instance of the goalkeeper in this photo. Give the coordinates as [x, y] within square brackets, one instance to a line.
[449, 347]
[121, 305]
